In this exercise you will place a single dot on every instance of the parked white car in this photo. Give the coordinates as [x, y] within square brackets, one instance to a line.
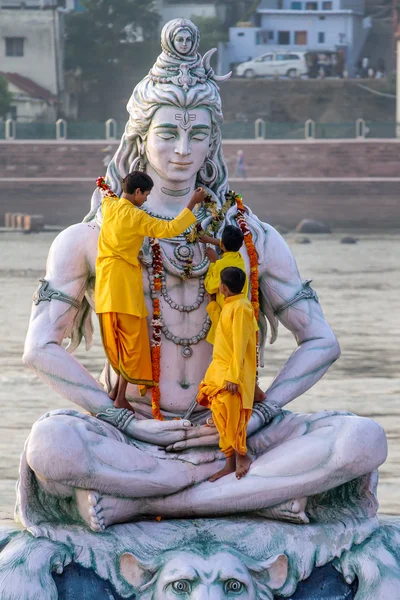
[289, 64]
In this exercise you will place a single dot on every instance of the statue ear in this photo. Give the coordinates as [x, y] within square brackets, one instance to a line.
[133, 571]
[277, 567]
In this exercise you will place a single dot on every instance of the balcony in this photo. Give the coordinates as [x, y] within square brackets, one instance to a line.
[30, 3]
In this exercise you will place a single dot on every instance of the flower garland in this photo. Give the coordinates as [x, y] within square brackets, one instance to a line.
[217, 218]
[156, 325]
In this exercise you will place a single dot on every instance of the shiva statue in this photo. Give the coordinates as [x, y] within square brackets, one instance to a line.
[105, 466]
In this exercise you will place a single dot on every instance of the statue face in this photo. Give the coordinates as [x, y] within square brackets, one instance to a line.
[183, 41]
[192, 576]
[178, 142]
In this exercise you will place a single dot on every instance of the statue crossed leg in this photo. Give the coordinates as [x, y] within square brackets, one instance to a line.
[116, 479]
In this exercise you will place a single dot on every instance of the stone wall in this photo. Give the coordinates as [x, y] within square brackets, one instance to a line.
[346, 183]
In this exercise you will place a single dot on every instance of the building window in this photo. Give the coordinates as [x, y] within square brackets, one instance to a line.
[342, 38]
[321, 37]
[280, 4]
[14, 46]
[311, 5]
[300, 38]
[283, 38]
[263, 36]
[241, 34]
[297, 5]
[12, 113]
[327, 6]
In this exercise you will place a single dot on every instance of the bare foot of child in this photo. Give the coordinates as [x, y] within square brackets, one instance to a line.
[242, 465]
[259, 395]
[229, 467]
[122, 403]
[114, 392]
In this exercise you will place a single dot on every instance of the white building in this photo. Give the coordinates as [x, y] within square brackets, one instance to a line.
[170, 9]
[30, 101]
[303, 25]
[32, 55]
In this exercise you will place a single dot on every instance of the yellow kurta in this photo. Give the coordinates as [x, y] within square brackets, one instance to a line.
[119, 296]
[234, 360]
[119, 286]
[213, 278]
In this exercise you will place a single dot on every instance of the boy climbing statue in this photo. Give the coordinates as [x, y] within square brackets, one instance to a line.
[119, 296]
[228, 385]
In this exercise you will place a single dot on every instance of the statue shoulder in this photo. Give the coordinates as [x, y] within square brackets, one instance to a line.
[77, 243]
[278, 258]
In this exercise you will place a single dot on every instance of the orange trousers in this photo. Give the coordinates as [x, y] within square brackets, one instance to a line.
[127, 347]
[229, 417]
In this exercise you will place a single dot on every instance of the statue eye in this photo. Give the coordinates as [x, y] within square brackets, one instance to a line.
[233, 586]
[199, 136]
[167, 135]
[181, 586]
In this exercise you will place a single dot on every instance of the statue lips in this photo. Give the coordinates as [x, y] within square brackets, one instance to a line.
[181, 165]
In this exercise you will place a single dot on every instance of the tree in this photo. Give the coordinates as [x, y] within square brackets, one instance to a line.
[212, 31]
[5, 96]
[106, 44]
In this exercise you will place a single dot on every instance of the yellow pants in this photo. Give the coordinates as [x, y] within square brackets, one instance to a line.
[229, 417]
[126, 344]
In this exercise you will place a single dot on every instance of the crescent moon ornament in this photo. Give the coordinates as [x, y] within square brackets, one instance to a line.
[206, 64]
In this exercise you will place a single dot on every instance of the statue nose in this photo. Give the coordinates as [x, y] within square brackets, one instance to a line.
[183, 147]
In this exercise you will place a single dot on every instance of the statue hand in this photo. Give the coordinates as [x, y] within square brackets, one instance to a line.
[204, 435]
[160, 433]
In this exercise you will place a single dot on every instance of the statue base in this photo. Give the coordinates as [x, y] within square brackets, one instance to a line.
[245, 557]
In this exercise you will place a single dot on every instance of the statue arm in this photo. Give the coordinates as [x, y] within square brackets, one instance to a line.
[317, 346]
[51, 321]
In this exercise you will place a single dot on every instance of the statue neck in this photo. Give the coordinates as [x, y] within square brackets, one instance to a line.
[168, 198]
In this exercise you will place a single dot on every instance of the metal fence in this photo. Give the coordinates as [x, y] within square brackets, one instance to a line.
[260, 129]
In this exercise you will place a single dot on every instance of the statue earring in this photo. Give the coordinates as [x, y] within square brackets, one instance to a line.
[139, 164]
[205, 174]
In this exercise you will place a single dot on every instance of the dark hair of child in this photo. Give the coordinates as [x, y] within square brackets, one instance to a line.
[232, 238]
[234, 279]
[135, 180]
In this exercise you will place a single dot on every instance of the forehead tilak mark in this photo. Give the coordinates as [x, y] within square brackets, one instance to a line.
[185, 119]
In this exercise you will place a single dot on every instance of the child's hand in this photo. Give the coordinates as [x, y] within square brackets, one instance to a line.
[199, 196]
[207, 239]
[233, 388]
[211, 255]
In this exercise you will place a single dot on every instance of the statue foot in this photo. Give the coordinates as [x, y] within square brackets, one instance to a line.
[292, 511]
[90, 509]
[101, 511]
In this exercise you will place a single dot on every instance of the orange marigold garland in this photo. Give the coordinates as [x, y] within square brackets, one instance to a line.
[105, 188]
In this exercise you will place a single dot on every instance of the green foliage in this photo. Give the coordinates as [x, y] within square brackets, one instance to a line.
[102, 44]
[5, 96]
[212, 31]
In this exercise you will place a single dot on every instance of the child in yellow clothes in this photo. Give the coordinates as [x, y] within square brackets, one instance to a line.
[119, 295]
[228, 385]
[230, 244]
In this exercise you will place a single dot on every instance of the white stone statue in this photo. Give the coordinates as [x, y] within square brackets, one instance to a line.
[102, 467]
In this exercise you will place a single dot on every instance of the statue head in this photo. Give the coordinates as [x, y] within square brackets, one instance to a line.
[217, 572]
[175, 117]
[180, 37]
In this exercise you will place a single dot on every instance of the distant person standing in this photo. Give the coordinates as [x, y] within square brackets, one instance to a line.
[240, 165]
[364, 67]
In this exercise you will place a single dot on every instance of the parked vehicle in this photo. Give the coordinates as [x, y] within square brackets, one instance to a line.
[289, 64]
